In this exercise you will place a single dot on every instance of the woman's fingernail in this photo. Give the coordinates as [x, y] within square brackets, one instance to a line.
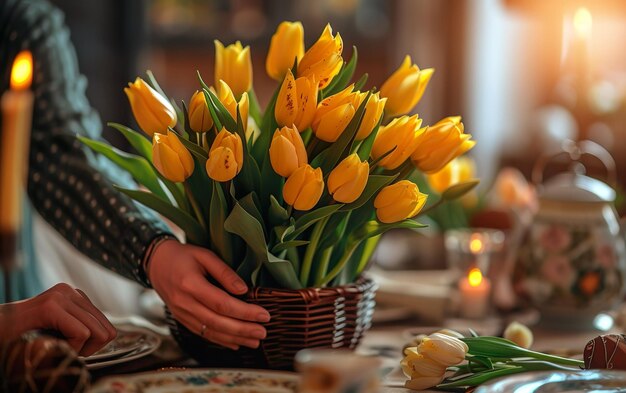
[240, 286]
[263, 317]
[260, 334]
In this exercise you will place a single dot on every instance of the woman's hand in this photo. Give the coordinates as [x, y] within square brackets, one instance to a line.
[64, 309]
[178, 273]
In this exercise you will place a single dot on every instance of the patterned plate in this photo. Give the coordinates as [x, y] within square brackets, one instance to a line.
[201, 381]
[130, 344]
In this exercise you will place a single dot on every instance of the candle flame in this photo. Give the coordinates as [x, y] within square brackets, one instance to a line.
[22, 71]
[583, 22]
[475, 277]
[476, 244]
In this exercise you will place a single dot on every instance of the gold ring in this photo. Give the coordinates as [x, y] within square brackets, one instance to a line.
[202, 330]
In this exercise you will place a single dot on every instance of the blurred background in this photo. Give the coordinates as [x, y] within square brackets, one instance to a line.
[524, 74]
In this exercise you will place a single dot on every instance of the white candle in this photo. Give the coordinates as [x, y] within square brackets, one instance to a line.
[475, 292]
[17, 111]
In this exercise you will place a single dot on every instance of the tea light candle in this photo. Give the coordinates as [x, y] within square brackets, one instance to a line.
[475, 291]
[17, 111]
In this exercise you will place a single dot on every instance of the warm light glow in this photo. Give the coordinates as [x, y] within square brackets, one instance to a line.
[22, 71]
[583, 22]
[476, 244]
[475, 277]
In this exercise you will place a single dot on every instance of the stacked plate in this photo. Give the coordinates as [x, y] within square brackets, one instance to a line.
[130, 344]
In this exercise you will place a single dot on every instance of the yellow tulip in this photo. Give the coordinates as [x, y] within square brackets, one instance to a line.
[286, 46]
[323, 60]
[443, 349]
[304, 188]
[423, 372]
[405, 87]
[399, 201]
[401, 134]
[440, 144]
[225, 157]
[296, 102]
[456, 171]
[227, 98]
[518, 333]
[334, 113]
[152, 111]
[373, 111]
[233, 66]
[287, 151]
[200, 119]
[171, 158]
[348, 180]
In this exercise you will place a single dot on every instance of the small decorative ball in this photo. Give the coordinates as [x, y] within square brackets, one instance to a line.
[37, 363]
[607, 351]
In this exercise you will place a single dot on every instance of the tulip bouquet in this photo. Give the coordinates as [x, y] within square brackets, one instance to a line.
[447, 360]
[298, 194]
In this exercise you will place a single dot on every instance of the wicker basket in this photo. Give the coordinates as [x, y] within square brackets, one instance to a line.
[305, 318]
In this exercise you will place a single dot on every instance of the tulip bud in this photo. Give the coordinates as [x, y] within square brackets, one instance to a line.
[334, 113]
[286, 46]
[304, 188]
[401, 134]
[373, 111]
[200, 119]
[296, 102]
[227, 98]
[225, 157]
[171, 158]
[456, 171]
[440, 144]
[519, 334]
[422, 371]
[405, 87]
[233, 66]
[399, 201]
[151, 110]
[443, 349]
[348, 180]
[287, 151]
[323, 60]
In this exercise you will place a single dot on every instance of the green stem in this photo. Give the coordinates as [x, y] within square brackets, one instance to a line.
[176, 192]
[316, 236]
[340, 265]
[406, 171]
[322, 266]
[255, 108]
[310, 149]
[194, 205]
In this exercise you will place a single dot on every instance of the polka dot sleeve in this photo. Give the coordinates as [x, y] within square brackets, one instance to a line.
[69, 186]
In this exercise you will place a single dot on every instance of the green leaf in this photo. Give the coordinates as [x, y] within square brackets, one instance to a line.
[222, 113]
[221, 241]
[282, 231]
[361, 82]
[375, 228]
[289, 244]
[138, 141]
[334, 230]
[268, 125]
[482, 377]
[186, 125]
[340, 149]
[138, 167]
[249, 178]
[458, 190]
[194, 231]
[243, 224]
[344, 76]
[277, 214]
[312, 217]
[251, 204]
[249, 268]
[194, 149]
[365, 149]
[374, 183]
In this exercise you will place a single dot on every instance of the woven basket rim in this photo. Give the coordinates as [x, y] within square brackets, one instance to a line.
[311, 292]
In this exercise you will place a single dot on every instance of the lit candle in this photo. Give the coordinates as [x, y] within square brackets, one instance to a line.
[17, 111]
[475, 291]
